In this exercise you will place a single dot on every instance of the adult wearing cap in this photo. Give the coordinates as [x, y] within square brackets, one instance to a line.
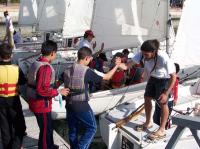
[9, 29]
[12, 124]
[161, 80]
[40, 91]
[87, 42]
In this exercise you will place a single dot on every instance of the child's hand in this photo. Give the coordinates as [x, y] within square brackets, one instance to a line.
[123, 66]
[64, 91]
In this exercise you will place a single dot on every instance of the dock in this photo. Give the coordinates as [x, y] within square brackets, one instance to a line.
[31, 139]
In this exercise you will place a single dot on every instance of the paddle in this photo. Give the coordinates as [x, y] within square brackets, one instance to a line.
[133, 114]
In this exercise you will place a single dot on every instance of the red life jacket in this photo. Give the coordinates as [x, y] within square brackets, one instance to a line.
[118, 79]
[136, 74]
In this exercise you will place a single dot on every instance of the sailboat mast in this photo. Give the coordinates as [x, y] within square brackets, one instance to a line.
[168, 30]
[93, 10]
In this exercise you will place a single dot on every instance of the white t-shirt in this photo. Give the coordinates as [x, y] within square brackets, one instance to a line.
[85, 43]
[9, 24]
[164, 66]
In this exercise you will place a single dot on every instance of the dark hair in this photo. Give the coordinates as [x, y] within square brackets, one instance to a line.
[119, 54]
[125, 51]
[103, 56]
[48, 47]
[177, 67]
[5, 13]
[5, 51]
[150, 45]
[83, 52]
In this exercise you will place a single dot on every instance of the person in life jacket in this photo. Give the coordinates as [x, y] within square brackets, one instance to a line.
[162, 76]
[40, 91]
[119, 78]
[12, 123]
[173, 97]
[79, 112]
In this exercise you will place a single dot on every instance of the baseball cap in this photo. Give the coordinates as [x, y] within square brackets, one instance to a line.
[89, 32]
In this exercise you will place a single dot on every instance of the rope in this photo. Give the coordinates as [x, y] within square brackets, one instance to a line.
[188, 75]
[188, 111]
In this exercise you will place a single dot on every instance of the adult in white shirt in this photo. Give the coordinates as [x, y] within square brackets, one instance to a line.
[162, 76]
[9, 29]
[87, 42]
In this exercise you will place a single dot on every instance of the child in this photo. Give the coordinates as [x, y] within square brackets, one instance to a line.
[12, 124]
[41, 77]
[119, 78]
[79, 112]
[171, 101]
[126, 53]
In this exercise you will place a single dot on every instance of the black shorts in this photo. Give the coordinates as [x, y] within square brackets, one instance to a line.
[155, 87]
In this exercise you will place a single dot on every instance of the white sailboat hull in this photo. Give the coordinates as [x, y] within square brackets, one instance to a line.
[103, 100]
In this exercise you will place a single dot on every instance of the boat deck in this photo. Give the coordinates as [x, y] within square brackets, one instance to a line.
[129, 138]
[31, 140]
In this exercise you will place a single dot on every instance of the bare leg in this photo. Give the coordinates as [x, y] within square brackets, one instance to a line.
[148, 111]
[164, 118]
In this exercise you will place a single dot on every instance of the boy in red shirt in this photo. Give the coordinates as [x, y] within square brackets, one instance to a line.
[40, 92]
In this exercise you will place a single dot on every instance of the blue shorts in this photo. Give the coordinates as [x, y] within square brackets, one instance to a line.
[155, 87]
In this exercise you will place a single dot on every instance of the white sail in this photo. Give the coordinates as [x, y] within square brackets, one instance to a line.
[78, 17]
[186, 49]
[128, 23]
[28, 12]
[51, 15]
